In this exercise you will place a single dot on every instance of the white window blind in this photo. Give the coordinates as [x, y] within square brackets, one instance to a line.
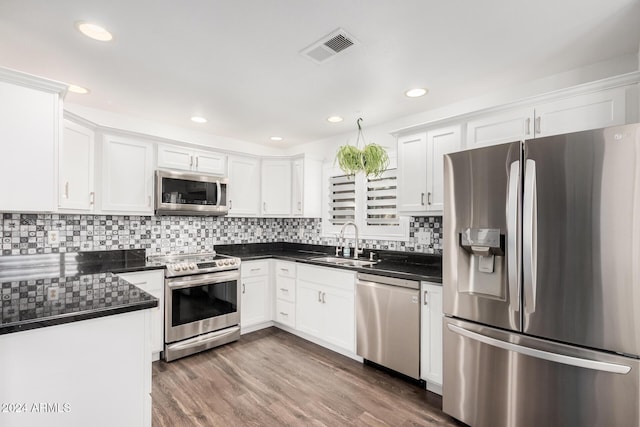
[342, 195]
[382, 199]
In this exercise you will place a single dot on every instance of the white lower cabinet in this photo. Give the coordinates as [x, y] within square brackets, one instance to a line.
[94, 372]
[152, 282]
[431, 336]
[285, 291]
[325, 305]
[255, 295]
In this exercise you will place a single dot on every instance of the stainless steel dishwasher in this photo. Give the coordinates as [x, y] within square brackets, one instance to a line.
[388, 322]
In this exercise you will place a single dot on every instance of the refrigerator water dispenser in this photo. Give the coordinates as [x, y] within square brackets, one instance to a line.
[485, 248]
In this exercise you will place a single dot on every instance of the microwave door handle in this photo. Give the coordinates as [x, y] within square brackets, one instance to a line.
[530, 236]
[219, 193]
[513, 251]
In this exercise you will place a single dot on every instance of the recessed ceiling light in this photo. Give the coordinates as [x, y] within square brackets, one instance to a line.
[94, 31]
[198, 119]
[276, 138]
[415, 93]
[78, 89]
[334, 119]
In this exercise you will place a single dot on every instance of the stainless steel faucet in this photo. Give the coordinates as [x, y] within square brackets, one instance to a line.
[356, 251]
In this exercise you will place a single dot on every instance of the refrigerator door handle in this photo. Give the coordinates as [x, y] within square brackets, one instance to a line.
[541, 354]
[530, 236]
[513, 258]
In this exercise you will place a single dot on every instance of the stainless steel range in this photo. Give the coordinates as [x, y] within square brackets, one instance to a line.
[202, 302]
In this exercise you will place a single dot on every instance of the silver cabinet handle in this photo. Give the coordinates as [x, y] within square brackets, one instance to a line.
[529, 236]
[284, 269]
[66, 190]
[422, 199]
[230, 205]
[92, 198]
[283, 313]
[537, 129]
[149, 201]
[513, 238]
[425, 297]
[429, 198]
[324, 294]
[527, 126]
[299, 206]
[255, 269]
[284, 289]
[244, 289]
[319, 296]
[197, 161]
[264, 206]
[190, 161]
[541, 354]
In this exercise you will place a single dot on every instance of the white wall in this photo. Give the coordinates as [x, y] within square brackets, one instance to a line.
[380, 134]
[134, 124]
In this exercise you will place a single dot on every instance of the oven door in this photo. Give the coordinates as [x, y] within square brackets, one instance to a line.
[201, 303]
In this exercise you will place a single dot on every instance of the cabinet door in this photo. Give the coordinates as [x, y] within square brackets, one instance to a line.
[210, 162]
[29, 127]
[582, 112]
[498, 128]
[276, 187]
[244, 186]
[309, 309]
[173, 157]
[439, 142]
[339, 318]
[297, 187]
[152, 282]
[76, 168]
[127, 176]
[412, 173]
[255, 302]
[431, 330]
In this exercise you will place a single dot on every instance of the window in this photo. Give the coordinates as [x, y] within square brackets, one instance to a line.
[370, 203]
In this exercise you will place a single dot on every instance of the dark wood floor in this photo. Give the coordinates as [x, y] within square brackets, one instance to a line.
[273, 378]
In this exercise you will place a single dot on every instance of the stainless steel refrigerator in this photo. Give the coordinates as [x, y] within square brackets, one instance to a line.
[541, 277]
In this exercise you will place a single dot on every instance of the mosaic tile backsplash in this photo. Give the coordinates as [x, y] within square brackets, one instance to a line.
[25, 234]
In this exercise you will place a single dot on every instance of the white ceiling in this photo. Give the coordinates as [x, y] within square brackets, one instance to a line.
[237, 62]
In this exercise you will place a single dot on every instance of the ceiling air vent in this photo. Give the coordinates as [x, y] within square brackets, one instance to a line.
[329, 46]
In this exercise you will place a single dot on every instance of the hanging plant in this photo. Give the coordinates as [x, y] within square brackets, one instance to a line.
[375, 159]
[372, 159]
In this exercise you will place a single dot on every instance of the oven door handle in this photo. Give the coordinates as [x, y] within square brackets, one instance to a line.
[212, 279]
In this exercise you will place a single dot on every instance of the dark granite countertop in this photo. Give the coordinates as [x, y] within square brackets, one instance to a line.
[404, 265]
[45, 290]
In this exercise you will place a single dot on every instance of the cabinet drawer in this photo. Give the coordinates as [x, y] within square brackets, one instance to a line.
[149, 281]
[254, 268]
[286, 313]
[286, 288]
[285, 269]
[327, 276]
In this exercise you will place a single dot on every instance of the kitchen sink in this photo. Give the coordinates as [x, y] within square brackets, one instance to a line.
[349, 262]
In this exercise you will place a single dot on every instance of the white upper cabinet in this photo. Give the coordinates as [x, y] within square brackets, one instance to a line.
[498, 128]
[412, 173]
[439, 142]
[565, 115]
[30, 125]
[175, 157]
[276, 187]
[420, 169]
[582, 112]
[306, 194]
[244, 186]
[76, 168]
[127, 175]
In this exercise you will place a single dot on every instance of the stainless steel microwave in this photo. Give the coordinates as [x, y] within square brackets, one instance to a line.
[188, 193]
